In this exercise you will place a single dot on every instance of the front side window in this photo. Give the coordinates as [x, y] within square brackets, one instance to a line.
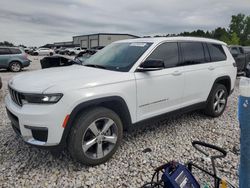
[167, 52]
[216, 52]
[118, 56]
[4, 51]
[193, 53]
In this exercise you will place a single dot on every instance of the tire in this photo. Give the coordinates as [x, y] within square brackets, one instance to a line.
[217, 101]
[88, 133]
[15, 66]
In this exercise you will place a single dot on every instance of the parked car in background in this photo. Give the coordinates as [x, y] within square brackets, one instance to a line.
[248, 70]
[43, 51]
[13, 59]
[74, 51]
[84, 55]
[62, 51]
[246, 49]
[86, 108]
[55, 61]
[241, 57]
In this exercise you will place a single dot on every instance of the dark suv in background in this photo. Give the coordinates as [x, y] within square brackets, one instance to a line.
[13, 59]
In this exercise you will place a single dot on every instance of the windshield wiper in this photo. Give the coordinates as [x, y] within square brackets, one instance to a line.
[94, 65]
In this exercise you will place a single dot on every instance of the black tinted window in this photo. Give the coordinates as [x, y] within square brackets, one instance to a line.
[167, 52]
[193, 53]
[15, 51]
[4, 51]
[216, 52]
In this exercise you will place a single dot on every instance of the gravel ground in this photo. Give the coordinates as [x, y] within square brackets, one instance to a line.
[25, 166]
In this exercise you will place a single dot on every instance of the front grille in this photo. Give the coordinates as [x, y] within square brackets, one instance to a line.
[16, 96]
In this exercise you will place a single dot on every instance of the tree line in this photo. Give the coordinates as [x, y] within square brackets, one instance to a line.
[238, 32]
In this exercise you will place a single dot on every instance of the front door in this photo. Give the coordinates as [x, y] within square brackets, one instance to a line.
[160, 91]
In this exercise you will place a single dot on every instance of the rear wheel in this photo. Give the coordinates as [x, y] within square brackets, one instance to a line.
[95, 136]
[15, 66]
[217, 101]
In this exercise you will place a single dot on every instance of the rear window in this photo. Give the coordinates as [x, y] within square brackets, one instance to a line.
[216, 52]
[4, 51]
[193, 53]
[15, 51]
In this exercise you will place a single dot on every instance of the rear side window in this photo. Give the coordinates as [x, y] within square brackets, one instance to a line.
[216, 52]
[15, 51]
[193, 53]
[4, 51]
[167, 52]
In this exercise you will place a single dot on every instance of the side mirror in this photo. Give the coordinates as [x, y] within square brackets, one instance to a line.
[151, 65]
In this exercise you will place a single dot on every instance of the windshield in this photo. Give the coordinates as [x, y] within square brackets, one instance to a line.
[118, 56]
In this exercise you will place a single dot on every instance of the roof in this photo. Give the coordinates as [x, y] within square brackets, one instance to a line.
[107, 34]
[161, 39]
[10, 47]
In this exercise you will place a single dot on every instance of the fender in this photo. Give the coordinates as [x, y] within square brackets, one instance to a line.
[220, 80]
[112, 101]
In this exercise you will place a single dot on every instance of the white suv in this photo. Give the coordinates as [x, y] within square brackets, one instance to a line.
[44, 51]
[87, 107]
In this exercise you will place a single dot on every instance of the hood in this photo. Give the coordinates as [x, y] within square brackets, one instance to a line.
[66, 78]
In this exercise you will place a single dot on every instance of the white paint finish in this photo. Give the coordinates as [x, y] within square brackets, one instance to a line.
[159, 92]
[146, 94]
[44, 51]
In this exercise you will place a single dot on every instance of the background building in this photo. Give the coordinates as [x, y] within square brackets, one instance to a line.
[99, 39]
[64, 44]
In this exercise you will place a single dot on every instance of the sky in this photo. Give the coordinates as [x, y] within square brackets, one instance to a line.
[37, 22]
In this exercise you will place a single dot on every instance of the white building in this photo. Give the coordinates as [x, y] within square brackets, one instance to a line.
[99, 39]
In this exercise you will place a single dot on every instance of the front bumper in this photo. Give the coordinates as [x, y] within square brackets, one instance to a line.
[37, 124]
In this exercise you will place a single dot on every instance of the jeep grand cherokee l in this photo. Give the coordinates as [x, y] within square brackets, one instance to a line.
[87, 107]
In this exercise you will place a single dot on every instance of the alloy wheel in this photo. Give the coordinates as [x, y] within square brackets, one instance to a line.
[15, 67]
[100, 138]
[219, 101]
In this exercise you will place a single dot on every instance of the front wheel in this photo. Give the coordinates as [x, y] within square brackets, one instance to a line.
[217, 101]
[95, 136]
[15, 66]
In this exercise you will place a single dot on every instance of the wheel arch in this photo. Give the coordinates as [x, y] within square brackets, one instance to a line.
[224, 80]
[14, 60]
[115, 103]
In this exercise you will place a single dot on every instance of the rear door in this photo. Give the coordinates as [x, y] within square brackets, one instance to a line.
[160, 91]
[4, 57]
[198, 72]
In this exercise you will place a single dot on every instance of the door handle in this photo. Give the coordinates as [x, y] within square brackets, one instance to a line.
[176, 73]
[211, 68]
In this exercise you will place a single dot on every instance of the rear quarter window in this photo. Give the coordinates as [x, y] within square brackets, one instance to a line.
[216, 52]
[15, 51]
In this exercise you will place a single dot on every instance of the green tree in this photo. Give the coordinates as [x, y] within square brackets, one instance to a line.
[237, 24]
[246, 32]
[235, 40]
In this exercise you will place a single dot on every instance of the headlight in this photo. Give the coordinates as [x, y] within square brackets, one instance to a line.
[41, 98]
